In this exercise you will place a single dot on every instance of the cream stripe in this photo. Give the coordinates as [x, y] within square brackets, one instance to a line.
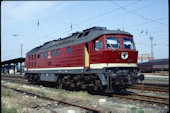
[101, 65]
[92, 66]
[61, 68]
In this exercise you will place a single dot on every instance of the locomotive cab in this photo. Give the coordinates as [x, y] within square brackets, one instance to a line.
[114, 42]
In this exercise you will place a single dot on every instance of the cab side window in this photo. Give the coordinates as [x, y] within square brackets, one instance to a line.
[98, 45]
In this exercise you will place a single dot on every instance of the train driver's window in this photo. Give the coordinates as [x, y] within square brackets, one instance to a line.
[128, 43]
[113, 42]
[98, 45]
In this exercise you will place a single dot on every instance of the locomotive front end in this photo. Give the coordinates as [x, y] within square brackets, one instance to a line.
[121, 70]
[122, 77]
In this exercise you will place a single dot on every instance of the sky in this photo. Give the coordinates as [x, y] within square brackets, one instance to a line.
[32, 23]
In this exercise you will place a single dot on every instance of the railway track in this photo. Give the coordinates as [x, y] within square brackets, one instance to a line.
[131, 96]
[10, 76]
[21, 80]
[50, 99]
[151, 88]
[152, 84]
[147, 87]
[144, 98]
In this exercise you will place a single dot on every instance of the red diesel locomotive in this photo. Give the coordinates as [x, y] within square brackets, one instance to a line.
[97, 59]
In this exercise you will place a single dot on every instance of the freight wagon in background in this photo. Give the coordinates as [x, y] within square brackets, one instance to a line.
[154, 65]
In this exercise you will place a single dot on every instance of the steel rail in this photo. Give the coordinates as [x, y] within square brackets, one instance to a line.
[155, 87]
[50, 99]
[153, 97]
[16, 80]
[154, 84]
[148, 88]
[143, 100]
[11, 76]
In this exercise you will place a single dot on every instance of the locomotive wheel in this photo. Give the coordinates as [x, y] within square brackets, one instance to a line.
[95, 87]
[59, 83]
[72, 85]
[90, 89]
[98, 87]
[35, 79]
[28, 77]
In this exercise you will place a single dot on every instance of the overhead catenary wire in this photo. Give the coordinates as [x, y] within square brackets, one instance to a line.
[38, 27]
[145, 23]
[100, 15]
[105, 13]
[43, 37]
[116, 10]
[139, 35]
[86, 25]
[16, 33]
[131, 3]
[13, 7]
[91, 18]
[94, 18]
[133, 12]
[69, 28]
[126, 12]
[33, 20]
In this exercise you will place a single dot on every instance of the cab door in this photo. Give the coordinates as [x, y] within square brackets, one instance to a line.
[86, 56]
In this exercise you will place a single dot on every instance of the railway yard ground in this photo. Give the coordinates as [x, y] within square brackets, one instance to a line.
[17, 102]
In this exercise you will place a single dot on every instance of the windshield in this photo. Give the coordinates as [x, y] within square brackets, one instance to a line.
[128, 43]
[113, 42]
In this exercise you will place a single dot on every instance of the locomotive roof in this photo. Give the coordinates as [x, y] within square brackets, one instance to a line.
[76, 38]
